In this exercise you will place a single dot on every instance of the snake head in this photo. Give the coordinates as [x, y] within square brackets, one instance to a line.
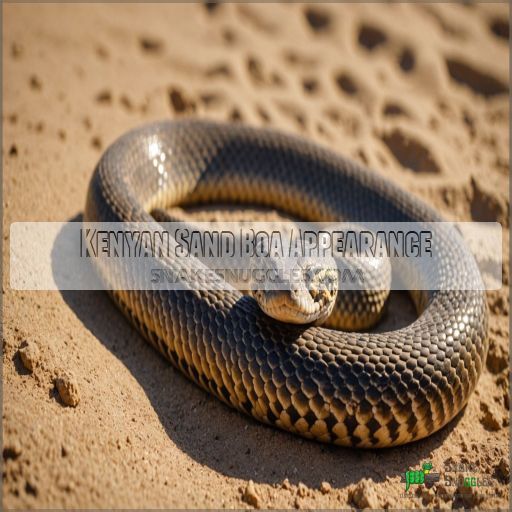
[309, 299]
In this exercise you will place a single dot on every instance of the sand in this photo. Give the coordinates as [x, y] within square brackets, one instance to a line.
[93, 416]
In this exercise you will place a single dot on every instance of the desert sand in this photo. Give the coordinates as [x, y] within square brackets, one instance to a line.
[93, 417]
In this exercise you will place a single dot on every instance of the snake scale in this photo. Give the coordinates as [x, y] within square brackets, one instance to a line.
[348, 388]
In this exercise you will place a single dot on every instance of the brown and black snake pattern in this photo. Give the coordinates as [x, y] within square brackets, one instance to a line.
[352, 389]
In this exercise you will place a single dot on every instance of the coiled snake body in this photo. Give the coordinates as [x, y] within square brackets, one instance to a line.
[348, 388]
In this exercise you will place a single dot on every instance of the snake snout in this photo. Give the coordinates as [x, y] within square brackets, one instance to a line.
[310, 300]
[322, 285]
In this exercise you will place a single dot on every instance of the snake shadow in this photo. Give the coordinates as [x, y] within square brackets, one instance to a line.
[227, 441]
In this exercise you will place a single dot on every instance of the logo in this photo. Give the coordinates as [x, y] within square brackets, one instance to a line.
[422, 476]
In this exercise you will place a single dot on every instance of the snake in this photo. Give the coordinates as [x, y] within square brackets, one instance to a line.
[361, 389]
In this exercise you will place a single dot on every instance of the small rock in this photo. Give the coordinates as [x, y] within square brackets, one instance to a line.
[29, 355]
[68, 389]
[497, 359]
[286, 484]
[250, 495]
[180, 103]
[486, 206]
[491, 419]
[364, 495]
[302, 490]
[325, 487]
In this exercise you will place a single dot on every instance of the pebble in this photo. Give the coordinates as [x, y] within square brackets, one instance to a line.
[286, 484]
[497, 358]
[29, 355]
[364, 495]
[491, 419]
[302, 490]
[68, 389]
[250, 495]
[325, 487]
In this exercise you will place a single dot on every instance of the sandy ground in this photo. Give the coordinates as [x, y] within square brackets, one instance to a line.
[418, 92]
